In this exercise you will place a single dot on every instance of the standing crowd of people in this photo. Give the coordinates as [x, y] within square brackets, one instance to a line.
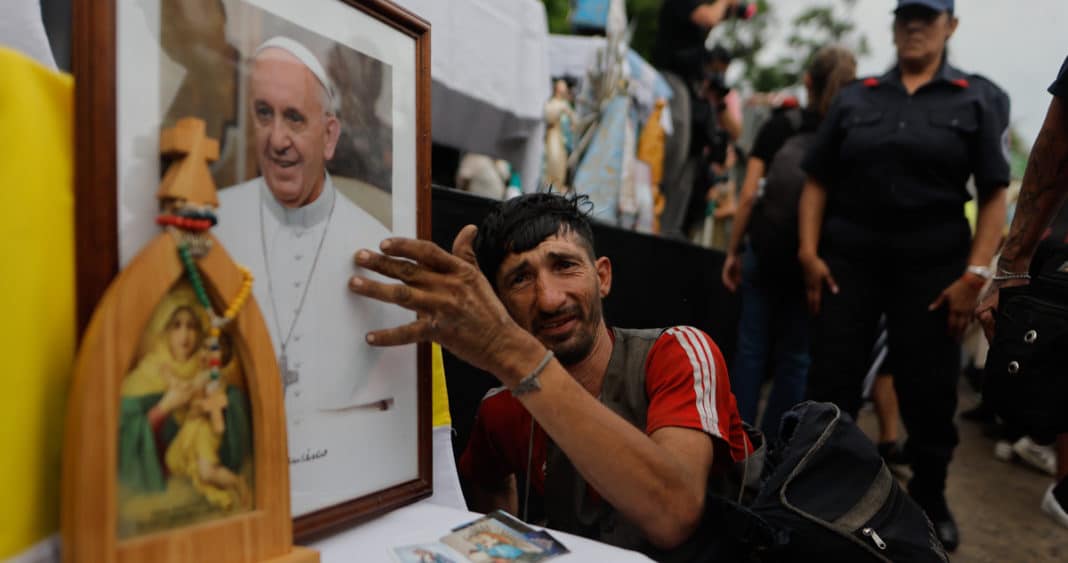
[850, 228]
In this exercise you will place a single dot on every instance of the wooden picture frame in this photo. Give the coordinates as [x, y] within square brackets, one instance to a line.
[111, 227]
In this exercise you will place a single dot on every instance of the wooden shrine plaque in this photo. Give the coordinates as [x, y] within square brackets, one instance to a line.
[110, 354]
[175, 446]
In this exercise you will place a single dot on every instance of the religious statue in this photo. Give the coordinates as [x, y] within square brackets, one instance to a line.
[558, 117]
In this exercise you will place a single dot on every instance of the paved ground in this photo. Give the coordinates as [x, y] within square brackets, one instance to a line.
[996, 503]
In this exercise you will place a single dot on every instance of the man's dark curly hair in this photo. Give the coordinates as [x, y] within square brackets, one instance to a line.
[522, 223]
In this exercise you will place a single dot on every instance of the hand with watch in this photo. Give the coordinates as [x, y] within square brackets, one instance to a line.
[960, 298]
[981, 273]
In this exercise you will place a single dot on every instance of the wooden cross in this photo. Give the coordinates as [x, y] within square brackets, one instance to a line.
[214, 404]
[189, 178]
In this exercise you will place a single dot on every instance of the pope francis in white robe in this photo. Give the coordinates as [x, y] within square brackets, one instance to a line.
[302, 259]
[297, 234]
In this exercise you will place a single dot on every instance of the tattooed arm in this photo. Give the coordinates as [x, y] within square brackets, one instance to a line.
[1045, 185]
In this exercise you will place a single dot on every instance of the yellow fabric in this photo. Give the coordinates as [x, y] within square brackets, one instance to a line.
[651, 151]
[971, 213]
[439, 392]
[195, 445]
[651, 144]
[37, 255]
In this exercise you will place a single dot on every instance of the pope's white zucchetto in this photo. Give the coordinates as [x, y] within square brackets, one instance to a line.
[306, 58]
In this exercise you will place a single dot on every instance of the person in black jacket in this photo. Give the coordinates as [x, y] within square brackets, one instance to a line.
[1045, 186]
[683, 28]
[698, 108]
[773, 326]
[882, 231]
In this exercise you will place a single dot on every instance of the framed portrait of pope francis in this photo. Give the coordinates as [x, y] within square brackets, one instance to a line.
[320, 109]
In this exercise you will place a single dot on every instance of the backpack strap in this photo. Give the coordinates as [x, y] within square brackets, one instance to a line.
[795, 117]
[727, 519]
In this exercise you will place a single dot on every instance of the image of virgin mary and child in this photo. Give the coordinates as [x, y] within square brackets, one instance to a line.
[185, 439]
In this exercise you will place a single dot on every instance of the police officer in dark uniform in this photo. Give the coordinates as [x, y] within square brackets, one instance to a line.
[882, 230]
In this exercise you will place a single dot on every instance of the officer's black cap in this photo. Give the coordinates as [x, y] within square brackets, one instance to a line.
[936, 5]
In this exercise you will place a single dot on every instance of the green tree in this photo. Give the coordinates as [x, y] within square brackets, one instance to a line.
[644, 12]
[747, 40]
[1019, 151]
[827, 22]
[816, 26]
[558, 12]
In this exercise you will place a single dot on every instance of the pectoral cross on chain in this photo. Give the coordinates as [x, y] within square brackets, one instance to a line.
[289, 375]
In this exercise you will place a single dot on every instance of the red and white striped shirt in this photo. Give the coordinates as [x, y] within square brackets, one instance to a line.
[687, 386]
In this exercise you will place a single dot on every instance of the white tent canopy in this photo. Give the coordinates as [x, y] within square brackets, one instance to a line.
[490, 72]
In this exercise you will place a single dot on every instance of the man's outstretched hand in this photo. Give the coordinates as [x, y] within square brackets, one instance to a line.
[455, 305]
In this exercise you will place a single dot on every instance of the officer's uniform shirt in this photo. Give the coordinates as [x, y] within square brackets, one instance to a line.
[898, 163]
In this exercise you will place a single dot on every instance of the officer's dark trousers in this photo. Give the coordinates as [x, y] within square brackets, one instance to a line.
[927, 359]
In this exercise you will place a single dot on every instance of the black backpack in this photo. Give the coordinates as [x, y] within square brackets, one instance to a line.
[1025, 378]
[825, 495]
[773, 224]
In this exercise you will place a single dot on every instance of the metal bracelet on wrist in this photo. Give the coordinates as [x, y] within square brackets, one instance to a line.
[530, 382]
[1011, 276]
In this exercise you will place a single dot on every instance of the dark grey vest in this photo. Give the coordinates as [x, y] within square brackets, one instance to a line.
[567, 505]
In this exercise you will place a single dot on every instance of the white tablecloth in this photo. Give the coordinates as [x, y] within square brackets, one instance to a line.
[447, 490]
[489, 62]
[424, 522]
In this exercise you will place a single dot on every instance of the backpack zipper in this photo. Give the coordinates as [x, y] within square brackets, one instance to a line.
[871, 533]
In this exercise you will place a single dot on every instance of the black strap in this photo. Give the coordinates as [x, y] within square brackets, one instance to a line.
[732, 520]
[796, 119]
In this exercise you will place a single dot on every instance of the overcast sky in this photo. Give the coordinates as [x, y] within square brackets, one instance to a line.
[1019, 44]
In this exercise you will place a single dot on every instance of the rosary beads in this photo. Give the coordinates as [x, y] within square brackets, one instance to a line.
[187, 224]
